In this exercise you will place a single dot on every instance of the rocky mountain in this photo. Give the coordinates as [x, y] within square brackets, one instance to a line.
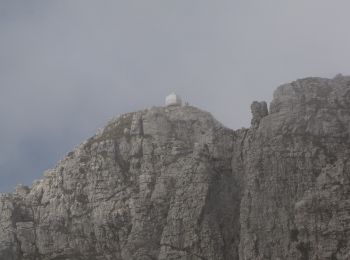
[174, 183]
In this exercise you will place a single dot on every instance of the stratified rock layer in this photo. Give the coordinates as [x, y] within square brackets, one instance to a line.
[173, 183]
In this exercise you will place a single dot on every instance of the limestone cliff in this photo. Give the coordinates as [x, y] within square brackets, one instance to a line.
[174, 183]
[296, 202]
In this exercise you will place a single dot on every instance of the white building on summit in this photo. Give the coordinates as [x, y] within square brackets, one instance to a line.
[173, 100]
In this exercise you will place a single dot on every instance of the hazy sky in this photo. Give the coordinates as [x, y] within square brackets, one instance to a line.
[67, 66]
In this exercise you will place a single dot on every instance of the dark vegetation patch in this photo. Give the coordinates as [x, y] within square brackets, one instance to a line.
[22, 214]
[84, 159]
[113, 131]
[104, 154]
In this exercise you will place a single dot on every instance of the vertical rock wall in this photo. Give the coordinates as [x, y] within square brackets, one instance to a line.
[296, 198]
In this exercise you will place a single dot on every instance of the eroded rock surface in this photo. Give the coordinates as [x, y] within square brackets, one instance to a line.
[155, 184]
[296, 198]
[173, 183]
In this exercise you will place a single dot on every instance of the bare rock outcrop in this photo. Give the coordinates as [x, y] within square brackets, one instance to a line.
[155, 184]
[174, 183]
[296, 198]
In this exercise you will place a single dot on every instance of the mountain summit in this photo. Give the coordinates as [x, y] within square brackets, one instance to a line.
[174, 183]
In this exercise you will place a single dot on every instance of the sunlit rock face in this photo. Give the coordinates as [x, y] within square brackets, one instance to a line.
[174, 183]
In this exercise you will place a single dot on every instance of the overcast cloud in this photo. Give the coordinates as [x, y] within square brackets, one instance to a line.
[67, 66]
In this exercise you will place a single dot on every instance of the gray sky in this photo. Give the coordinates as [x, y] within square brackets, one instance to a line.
[67, 66]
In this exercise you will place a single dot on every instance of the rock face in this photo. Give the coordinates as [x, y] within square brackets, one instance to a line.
[155, 184]
[296, 202]
[173, 183]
